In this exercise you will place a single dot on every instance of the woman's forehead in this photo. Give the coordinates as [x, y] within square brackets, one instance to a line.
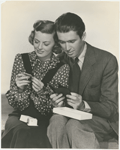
[44, 36]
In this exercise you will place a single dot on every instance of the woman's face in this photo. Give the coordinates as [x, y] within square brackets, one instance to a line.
[43, 45]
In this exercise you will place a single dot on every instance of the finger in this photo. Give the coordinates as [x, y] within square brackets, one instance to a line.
[60, 103]
[21, 84]
[34, 85]
[74, 94]
[22, 78]
[37, 87]
[20, 74]
[71, 101]
[34, 88]
[59, 100]
[57, 97]
[23, 81]
[27, 74]
[53, 95]
[71, 104]
[71, 97]
[37, 82]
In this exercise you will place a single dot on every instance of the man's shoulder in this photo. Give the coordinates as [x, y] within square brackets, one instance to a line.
[100, 53]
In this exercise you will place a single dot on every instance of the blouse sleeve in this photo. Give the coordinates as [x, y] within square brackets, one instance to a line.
[42, 99]
[16, 99]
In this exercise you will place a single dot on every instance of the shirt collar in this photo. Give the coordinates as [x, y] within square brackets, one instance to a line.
[82, 55]
[34, 58]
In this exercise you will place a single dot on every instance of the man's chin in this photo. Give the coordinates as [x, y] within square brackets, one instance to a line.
[71, 55]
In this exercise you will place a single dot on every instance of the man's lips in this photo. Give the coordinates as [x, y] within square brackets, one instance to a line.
[70, 53]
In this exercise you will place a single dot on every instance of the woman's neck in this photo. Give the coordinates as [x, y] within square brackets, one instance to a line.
[46, 57]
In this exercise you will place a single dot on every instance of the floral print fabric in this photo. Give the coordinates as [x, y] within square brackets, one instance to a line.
[41, 99]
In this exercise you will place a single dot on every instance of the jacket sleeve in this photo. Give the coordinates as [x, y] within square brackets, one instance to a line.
[16, 99]
[108, 101]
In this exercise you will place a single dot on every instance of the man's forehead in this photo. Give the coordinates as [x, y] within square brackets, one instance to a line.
[67, 35]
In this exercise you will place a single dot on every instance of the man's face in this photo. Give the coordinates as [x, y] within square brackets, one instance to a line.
[71, 43]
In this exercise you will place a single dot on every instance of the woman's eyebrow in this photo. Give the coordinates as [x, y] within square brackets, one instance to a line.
[36, 39]
[46, 41]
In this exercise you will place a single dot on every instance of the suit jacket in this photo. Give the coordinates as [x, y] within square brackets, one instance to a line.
[99, 84]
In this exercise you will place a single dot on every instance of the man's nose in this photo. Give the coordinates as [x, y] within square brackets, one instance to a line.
[67, 47]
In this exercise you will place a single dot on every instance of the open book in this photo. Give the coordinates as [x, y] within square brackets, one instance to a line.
[72, 113]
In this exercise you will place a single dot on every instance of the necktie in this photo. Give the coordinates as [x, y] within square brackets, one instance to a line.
[74, 77]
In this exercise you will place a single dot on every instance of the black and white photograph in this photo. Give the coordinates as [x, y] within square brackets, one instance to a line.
[59, 74]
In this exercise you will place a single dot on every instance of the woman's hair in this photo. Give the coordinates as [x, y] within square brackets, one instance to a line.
[70, 22]
[43, 26]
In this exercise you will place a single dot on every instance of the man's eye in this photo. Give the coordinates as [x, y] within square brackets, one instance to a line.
[61, 42]
[36, 42]
[72, 41]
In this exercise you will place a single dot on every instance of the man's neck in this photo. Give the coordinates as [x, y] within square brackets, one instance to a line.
[81, 50]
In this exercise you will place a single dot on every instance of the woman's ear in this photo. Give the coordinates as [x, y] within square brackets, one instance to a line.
[84, 36]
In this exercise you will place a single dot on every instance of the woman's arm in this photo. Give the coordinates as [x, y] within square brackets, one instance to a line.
[42, 99]
[16, 98]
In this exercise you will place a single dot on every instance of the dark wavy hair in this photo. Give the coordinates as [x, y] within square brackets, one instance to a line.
[70, 21]
[43, 26]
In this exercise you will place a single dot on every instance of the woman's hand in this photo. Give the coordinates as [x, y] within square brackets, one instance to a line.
[22, 80]
[37, 85]
[57, 100]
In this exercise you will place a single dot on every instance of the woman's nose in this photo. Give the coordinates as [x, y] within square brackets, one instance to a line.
[40, 46]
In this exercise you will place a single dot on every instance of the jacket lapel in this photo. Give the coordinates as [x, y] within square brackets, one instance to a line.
[87, 69]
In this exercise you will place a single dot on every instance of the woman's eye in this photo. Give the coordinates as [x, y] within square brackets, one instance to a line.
[46, 44]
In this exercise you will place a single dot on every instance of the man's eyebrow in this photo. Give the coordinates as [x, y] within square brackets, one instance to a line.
[68, 40]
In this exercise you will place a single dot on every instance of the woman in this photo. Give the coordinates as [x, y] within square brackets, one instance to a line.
[30, 90]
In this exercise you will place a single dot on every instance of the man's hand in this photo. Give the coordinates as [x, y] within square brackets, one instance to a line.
[57, 100]
[75, 100]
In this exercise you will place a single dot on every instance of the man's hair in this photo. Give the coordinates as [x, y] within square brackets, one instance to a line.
[43, 26]
[70, 22]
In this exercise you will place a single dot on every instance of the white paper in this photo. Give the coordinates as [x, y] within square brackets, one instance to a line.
[29, 120]
[72, 113]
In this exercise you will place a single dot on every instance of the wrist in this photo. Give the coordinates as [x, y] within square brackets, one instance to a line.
[20, 90]
[82, 106]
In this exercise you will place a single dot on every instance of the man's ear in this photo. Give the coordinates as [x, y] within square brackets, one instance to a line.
[84, 36]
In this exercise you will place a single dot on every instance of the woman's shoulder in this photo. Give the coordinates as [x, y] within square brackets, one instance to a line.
[31, 55]
[64, 68]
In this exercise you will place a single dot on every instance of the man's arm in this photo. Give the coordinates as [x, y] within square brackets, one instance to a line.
[108, 102]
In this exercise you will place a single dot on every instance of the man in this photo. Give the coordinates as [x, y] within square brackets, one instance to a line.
[97, 91]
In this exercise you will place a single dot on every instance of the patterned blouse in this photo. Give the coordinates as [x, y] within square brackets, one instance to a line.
[41, 100]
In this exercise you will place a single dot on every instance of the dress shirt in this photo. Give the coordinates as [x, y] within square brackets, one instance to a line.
[80, 63]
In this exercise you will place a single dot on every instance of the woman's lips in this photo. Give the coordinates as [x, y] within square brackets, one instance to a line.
[40, 52]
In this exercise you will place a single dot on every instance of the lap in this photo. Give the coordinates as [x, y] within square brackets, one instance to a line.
[99, 126]
[58, 120]
[19, 133]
